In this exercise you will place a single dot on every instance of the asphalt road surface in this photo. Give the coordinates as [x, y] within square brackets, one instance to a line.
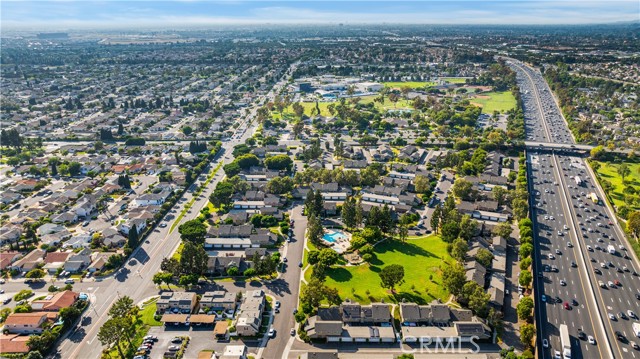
[564, 213]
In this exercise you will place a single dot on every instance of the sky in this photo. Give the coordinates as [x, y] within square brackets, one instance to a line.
[70, 14]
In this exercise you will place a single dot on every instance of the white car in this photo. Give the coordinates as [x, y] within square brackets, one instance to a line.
[545, 343]
[591, 340]
[631, 314]
[551, 256]
[563, 282]
[612, 317]
[272, 333]
[557, 355]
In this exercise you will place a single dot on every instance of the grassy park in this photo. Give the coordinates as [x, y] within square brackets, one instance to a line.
[421, 258]
[495, 101]
[608, 171]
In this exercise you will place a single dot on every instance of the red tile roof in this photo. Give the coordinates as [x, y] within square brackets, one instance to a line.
[13, 343]
[58, 301]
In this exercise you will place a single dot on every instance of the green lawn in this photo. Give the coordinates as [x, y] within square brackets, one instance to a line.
[608, 172]
[454, 80]
[421, 258]
[495, 101]
[411, 84]
[324, 107]
[147, 314]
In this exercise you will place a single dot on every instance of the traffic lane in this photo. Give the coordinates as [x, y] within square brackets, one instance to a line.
[598, 292]
[558, 313]
[290, 280]
[546, 286]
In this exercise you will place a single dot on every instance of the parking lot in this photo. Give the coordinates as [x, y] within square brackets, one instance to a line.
[201, 339]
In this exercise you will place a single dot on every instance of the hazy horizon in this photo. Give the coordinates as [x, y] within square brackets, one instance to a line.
[116, 14]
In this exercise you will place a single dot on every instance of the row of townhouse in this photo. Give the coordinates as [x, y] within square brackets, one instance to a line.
[352, 322]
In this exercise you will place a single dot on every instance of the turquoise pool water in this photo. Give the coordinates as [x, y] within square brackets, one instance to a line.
[333, 237]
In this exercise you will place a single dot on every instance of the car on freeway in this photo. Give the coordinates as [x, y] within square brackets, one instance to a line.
[567, 306]
[612, 317]
[581, 335]
[591, 340]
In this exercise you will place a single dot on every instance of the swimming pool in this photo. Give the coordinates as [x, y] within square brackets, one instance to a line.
[333, 237]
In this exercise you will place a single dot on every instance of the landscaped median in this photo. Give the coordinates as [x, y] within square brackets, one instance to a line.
[197, 193]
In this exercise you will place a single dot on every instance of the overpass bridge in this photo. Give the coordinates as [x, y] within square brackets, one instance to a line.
[566, 147]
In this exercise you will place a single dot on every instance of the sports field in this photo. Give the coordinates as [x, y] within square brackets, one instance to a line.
[495, 101]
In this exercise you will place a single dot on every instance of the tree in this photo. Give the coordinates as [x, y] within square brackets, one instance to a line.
[468, 227]
[313, 293]
[349, 213]
[391, 276]
[280, 185]
[454, 278]
[525, 278]
[35, 273]
[193, 231]
[193, 259]
[421, 184]
[633, 223]
[187, 280]
[478, 300]
[520, 208]
[132, 239]
[34, 355]
[318, 203]
[162, 277]
[327, 257]
[526, 249]
[110, 334]
[435, 218]
[232, 271]
[279, 162]
[597, 152]
[459, 249]
[314, 229]
[527, 331]
[247, 161]
[499, 194]
[623, 170]
[525, 308]
[122, 308]
[359, 217]
[484, 257]
[74, 168]
[171, 265]
[463, 189]
[403, 227]
[503, 230]
[297, 128]
[69, 314]
[450, 231]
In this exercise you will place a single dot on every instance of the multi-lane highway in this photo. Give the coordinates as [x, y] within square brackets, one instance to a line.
[586, 287]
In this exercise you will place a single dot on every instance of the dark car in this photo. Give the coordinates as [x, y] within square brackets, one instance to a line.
[300, 264]
[620, 337]
[638, 296]
[558, 300]
[582, 335]
[574, 302]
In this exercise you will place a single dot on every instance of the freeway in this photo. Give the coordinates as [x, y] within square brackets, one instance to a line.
[134, 278]
[606, 267]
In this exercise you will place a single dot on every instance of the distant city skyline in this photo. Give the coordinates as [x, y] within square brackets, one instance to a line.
[58, 15]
